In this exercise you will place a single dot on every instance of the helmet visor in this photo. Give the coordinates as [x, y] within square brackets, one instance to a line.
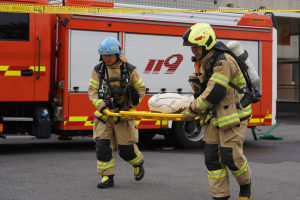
[186, 42]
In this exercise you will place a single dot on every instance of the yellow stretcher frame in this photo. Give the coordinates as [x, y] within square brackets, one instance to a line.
[146, 115]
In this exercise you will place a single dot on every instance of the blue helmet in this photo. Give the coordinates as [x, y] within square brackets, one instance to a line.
[110, 45]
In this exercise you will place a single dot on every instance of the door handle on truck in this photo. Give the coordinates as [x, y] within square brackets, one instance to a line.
[26, 72]
[39, 61]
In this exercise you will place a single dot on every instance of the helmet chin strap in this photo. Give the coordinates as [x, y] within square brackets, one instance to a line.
[118, 58]
[205, 52]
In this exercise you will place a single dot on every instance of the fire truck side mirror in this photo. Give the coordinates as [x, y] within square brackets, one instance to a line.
[65, 22]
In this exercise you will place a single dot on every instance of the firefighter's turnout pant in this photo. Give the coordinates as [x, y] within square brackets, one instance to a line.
[224, 152]
[111, 135]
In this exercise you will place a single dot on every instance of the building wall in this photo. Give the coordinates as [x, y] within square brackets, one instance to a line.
[269, 4]
[284, 72]
[289, 51]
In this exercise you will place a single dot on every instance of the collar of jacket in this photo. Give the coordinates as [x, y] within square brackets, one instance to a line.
[204, 61]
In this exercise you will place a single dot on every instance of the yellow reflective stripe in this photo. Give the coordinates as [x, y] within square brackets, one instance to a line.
[135, 160]
[101, 115]
[201, 105]
[91, 84]
[3, 68]
[257, 120]
[104, 116]
[160, 122]
[229, 119]
[96, 102]
[215, 121]
[12, 73]
[192, 115]
[218, 173]
[105, 165]
[138, 84]
[239, 79]
[207, 118]
[219, 78]
[268, 116]
[245, 111]
[242, 170]
[115, 118]
[137, 122]
[236, 78]
[78, 119]
[42, 68]
[88, 123]
[36, 68]
[94, 83]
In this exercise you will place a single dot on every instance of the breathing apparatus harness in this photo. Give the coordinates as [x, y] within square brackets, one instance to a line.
[111, 95]
[250, 95]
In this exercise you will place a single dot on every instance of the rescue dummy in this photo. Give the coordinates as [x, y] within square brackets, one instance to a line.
[169, 103]
[221, 82]
[115, 84]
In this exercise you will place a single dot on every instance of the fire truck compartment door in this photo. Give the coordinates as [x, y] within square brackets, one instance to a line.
[84, 56]
[163, 59]
[42, 57]
[17, 41]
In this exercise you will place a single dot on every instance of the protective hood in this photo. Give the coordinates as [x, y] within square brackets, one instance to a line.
[221, 46]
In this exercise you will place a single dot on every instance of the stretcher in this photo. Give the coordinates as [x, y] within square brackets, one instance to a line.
[146, 115]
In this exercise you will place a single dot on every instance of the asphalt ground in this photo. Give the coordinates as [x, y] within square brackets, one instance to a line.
[54, 169]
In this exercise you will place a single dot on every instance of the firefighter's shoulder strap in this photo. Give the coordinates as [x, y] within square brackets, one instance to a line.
[219, 55]
[130, 67]
[249, 96]
[100, 68]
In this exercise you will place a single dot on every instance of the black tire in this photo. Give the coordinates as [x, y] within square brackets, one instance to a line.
[186, 134]
[146, 135]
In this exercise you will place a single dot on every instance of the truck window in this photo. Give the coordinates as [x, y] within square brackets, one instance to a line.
[14, 26]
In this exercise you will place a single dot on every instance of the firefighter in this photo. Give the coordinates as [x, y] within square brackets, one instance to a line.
[226, 121]
[115, 84]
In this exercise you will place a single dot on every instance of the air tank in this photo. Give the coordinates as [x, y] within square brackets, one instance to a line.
[236, 48]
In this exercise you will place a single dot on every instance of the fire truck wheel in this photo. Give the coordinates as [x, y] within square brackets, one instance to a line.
[145, 135]
[188, 134]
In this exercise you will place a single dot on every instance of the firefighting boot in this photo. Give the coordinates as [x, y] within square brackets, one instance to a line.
[139, 172]
[107, 181]
[246, 191]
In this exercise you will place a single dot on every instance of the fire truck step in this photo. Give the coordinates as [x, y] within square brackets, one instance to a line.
[17, 137]
[17, 119]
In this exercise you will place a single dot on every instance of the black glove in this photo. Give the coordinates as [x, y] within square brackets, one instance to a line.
[135, 97]
[103, 108]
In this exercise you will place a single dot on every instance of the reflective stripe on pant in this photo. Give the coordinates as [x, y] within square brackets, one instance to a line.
[109, 136]
[224, 148]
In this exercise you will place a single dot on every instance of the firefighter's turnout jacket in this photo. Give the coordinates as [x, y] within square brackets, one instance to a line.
[114, 71]
[110, 133]
[220, 98]
[225, 132]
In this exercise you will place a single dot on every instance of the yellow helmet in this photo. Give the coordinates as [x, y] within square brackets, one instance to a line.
[200, 34]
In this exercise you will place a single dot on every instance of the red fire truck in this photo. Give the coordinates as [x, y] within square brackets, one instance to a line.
[46, 61]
